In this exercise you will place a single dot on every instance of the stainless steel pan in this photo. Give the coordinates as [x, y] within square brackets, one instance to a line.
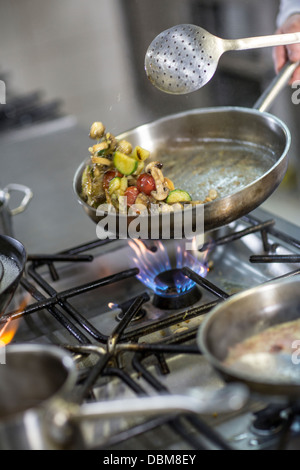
[273, 373]
[240, 152]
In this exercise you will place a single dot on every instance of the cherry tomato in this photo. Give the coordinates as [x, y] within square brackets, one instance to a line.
[108, 176]
[145, 183]
[131, 193]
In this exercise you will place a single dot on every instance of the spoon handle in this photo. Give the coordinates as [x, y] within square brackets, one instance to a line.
[261, 41]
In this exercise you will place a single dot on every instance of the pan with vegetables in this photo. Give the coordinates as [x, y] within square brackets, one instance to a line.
[226, 159]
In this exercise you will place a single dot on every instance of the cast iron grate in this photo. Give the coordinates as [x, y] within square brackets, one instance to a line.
[109, 347]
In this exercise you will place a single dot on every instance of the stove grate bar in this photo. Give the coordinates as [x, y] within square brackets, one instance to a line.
[172, 319]
[112, 343]
[134, 432]
[176, 424]
[61, 299]
[276, 233]
[263, 226]
[275, 258]
[56, 313]
[195, 421]
[203, 282]
[87, 246]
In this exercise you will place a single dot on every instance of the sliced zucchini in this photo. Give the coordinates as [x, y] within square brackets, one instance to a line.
[125, 164]
[140, 154]
[178, 195]
[123, 184]
[139, 168]
[114, 185]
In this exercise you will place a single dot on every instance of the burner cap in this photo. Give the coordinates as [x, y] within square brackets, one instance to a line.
[174, 290]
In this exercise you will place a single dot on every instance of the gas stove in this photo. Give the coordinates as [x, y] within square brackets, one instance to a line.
[133, 337]
[130, 339]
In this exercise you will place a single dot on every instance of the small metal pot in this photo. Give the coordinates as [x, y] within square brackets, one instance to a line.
[32, 379]
[6, 212]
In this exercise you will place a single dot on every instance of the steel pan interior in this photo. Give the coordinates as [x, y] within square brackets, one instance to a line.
[31, 376]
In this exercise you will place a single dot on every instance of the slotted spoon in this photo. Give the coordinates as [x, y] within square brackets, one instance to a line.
[184, 58]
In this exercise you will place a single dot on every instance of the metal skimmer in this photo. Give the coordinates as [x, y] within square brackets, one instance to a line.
[184, 58]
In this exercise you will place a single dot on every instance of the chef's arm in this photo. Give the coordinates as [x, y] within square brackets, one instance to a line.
[288, 21]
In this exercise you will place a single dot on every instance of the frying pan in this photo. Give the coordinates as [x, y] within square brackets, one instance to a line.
[251, 312]
[13, 258]
[240, 152]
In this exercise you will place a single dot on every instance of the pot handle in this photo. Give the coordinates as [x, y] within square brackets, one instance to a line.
[26, 198]
[231, 397]
[67, 420]
[275, 87]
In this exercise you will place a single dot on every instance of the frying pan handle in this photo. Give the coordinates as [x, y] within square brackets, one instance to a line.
[277, 84]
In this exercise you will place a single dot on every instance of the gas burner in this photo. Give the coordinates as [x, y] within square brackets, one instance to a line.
[174, 290]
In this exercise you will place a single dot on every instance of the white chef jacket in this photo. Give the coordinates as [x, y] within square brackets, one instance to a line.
[286, 9]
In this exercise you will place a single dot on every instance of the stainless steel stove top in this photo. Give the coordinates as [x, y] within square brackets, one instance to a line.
[165, 369]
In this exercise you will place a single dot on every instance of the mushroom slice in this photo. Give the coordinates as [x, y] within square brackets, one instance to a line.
[162, 190]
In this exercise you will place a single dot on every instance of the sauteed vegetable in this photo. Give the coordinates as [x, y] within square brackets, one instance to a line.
[117, 169]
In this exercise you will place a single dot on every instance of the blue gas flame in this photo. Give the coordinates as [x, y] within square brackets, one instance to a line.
[152, 263]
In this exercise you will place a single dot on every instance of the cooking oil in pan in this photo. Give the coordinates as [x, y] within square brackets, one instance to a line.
[224, 165]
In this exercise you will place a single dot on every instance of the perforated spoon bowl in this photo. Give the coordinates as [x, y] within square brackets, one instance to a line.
[184, 58]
